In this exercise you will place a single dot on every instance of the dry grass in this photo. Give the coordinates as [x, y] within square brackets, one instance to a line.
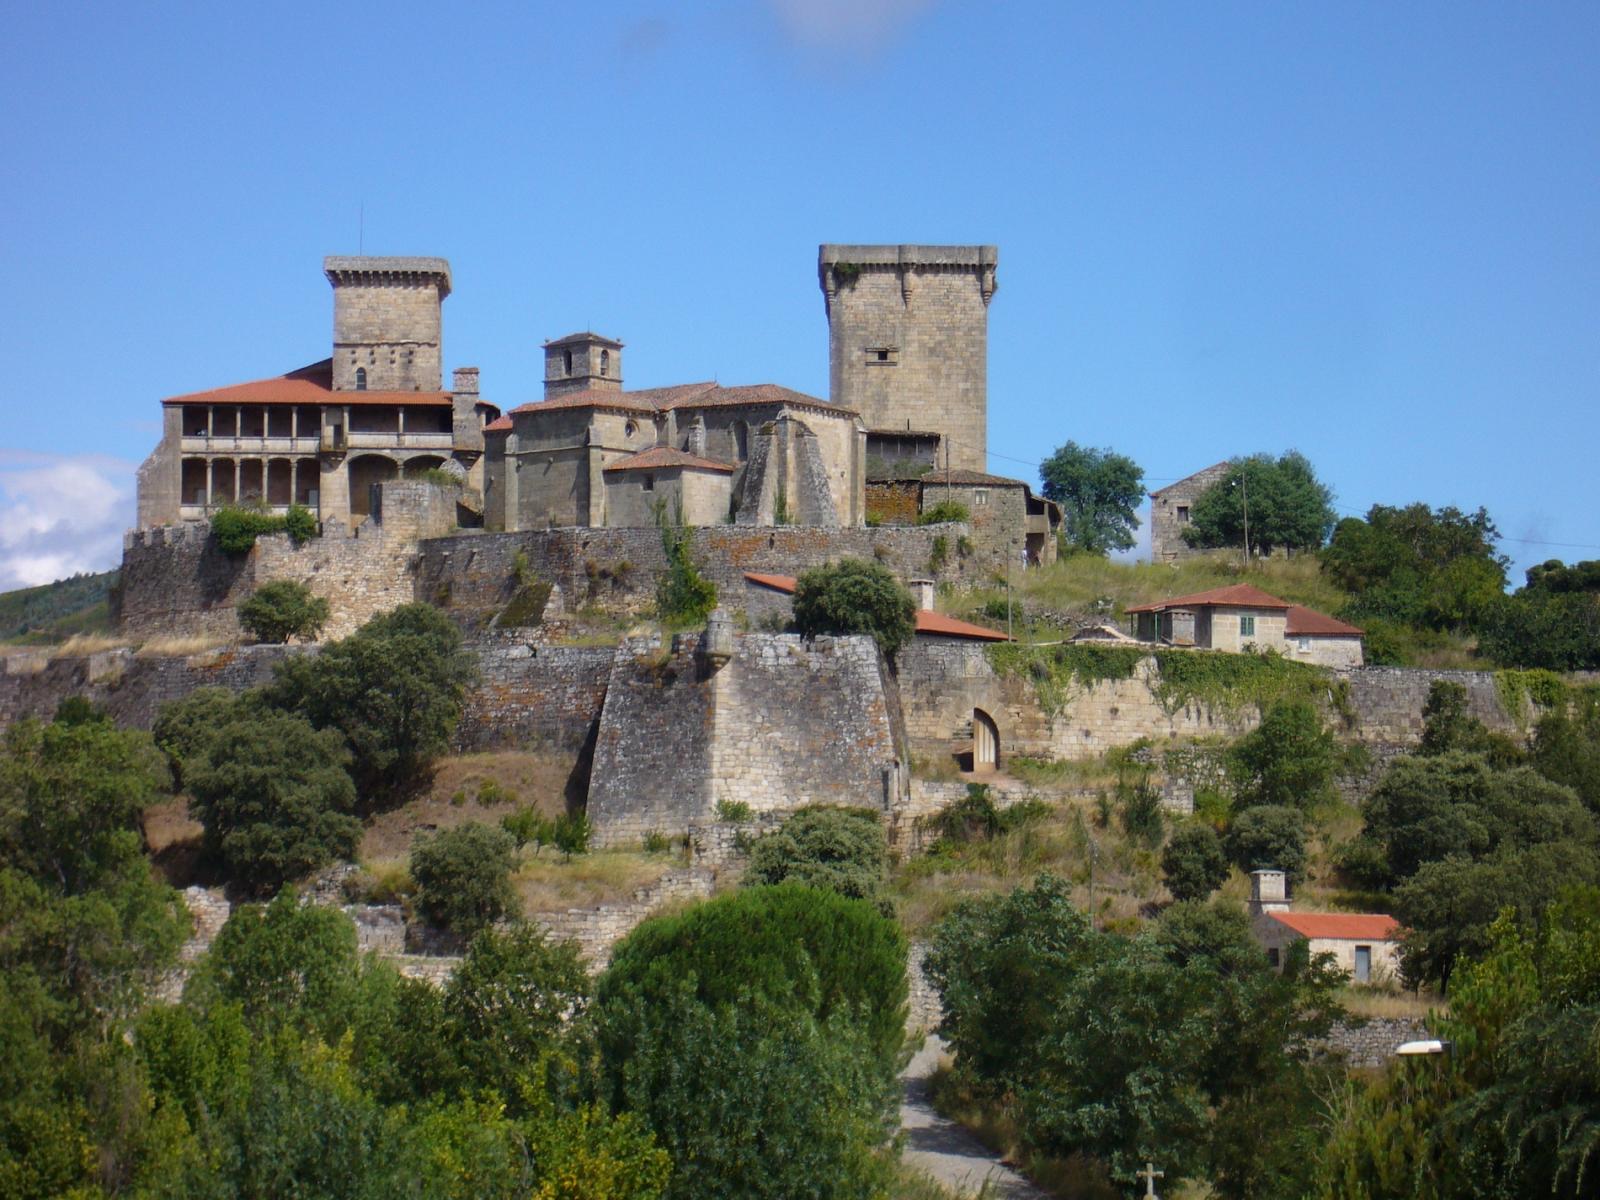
[173, 837]
[1087, 583]
[547, 884]
[80, 644]
[1387, 1002]
[180, 647]
[471, 787]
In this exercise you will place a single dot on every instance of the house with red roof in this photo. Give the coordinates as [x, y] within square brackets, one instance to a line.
[1366, 946]
[773, 595]
[1242, 617]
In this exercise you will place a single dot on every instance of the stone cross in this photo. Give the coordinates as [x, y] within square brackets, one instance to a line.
[1150, 1175]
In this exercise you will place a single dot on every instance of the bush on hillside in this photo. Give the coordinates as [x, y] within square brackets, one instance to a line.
[283, 609]
[1271, 836]
[841, 849]
[1287, 760]
[463, 877]
[942, 512]
[273, 795]
[394, 689]
[1194, 865]
[237, 528]
[855, 596]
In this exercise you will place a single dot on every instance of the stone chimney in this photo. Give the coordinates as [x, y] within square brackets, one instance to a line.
[465, 381]
[1268, 891]
[922, 593]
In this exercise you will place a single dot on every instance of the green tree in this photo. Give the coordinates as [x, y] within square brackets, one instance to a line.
[184, 727]
[1099, 492]
[1272, 836]
[1193, 865]
[1287, 760]
[855, 596]
[841, 849]
[463, 876]
[1566, 750]
[274, 797]
[394, 689]
[1556, 631]
[283, 609]
[1290, 508]
[683, 595]
[1431, 569]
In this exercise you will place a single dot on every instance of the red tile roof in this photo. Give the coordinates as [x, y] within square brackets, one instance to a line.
[1376, 927]
[1239, 595]
[498, 425]
[308, 385]
[660, 458]
[930, 623]
[1308, 622]
[961, 478]
[683, 395]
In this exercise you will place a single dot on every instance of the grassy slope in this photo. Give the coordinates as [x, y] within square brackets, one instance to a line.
[57, 611]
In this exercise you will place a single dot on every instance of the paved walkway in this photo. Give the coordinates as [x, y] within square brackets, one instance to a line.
[945, 1150]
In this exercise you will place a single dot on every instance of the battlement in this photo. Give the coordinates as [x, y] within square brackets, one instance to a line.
[351, 270]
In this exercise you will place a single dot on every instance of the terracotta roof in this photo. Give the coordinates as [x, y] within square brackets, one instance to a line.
[498, 425]
[960, 478]
[683, 395]
[308, 385]
[1308, 622]
[660, 458]
[943, 626]
[1376, 927]
[930, 623]
[1239, 595]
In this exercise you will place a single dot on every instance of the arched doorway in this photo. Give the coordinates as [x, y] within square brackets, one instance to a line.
[366, 470]
[985, 742]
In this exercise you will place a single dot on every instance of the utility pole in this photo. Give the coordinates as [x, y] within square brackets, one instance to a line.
[1244, 490]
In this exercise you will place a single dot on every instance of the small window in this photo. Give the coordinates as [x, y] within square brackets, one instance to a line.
[882, 356]
[1304, 643]
[605, 363]
[980, 497]
[649, 483]
[1272, 957]
[630, 429]
[361, 379]
[1183, 514]
[567, 360]
[1247, 627]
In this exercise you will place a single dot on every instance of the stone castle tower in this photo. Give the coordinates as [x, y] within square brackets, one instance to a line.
[582, 362]
[908, 346]
[386, 322]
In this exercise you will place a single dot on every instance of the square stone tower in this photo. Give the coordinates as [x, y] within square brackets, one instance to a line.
[386, 322]
[908, 343]
[582, 362]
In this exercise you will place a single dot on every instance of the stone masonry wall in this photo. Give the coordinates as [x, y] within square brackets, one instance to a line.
[943, 681]
[782, 724]
[176, 582]
[473, 576]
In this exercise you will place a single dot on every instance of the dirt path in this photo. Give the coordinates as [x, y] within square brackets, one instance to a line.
[944, 1149]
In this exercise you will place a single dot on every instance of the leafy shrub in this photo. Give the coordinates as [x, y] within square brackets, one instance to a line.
[1139, 808]
[841, 849]
[528, 825]
[683, 595]
[282, 609]
[1269, 836]
[1286, 760]
[236, 529]
[734, 812]
[570, 834]
[393, 688]
[183, 727]
[463, 876]
[943, 512]
[273, 795]
[656, 842]
[1193, 865]
[855, 596]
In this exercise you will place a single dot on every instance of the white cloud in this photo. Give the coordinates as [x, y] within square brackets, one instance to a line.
[61, 514]
[845, 24]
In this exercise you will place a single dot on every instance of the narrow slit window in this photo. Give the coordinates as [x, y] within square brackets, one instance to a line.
[361, 379]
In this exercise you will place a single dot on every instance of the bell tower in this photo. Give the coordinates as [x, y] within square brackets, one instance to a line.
[582, 362]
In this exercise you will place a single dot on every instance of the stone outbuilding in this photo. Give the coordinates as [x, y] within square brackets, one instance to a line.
[1005, 517]
[1170, 510]
[1242, 617]
[1365, 946]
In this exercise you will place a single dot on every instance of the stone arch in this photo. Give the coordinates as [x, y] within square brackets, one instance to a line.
[416, 467]
[280, 482]
[985, 742]
[224, 480]
[364, 471]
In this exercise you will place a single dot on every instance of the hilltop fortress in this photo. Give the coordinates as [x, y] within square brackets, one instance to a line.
[904, 427]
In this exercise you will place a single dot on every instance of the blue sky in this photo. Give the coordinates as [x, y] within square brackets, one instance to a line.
[1370, 232]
